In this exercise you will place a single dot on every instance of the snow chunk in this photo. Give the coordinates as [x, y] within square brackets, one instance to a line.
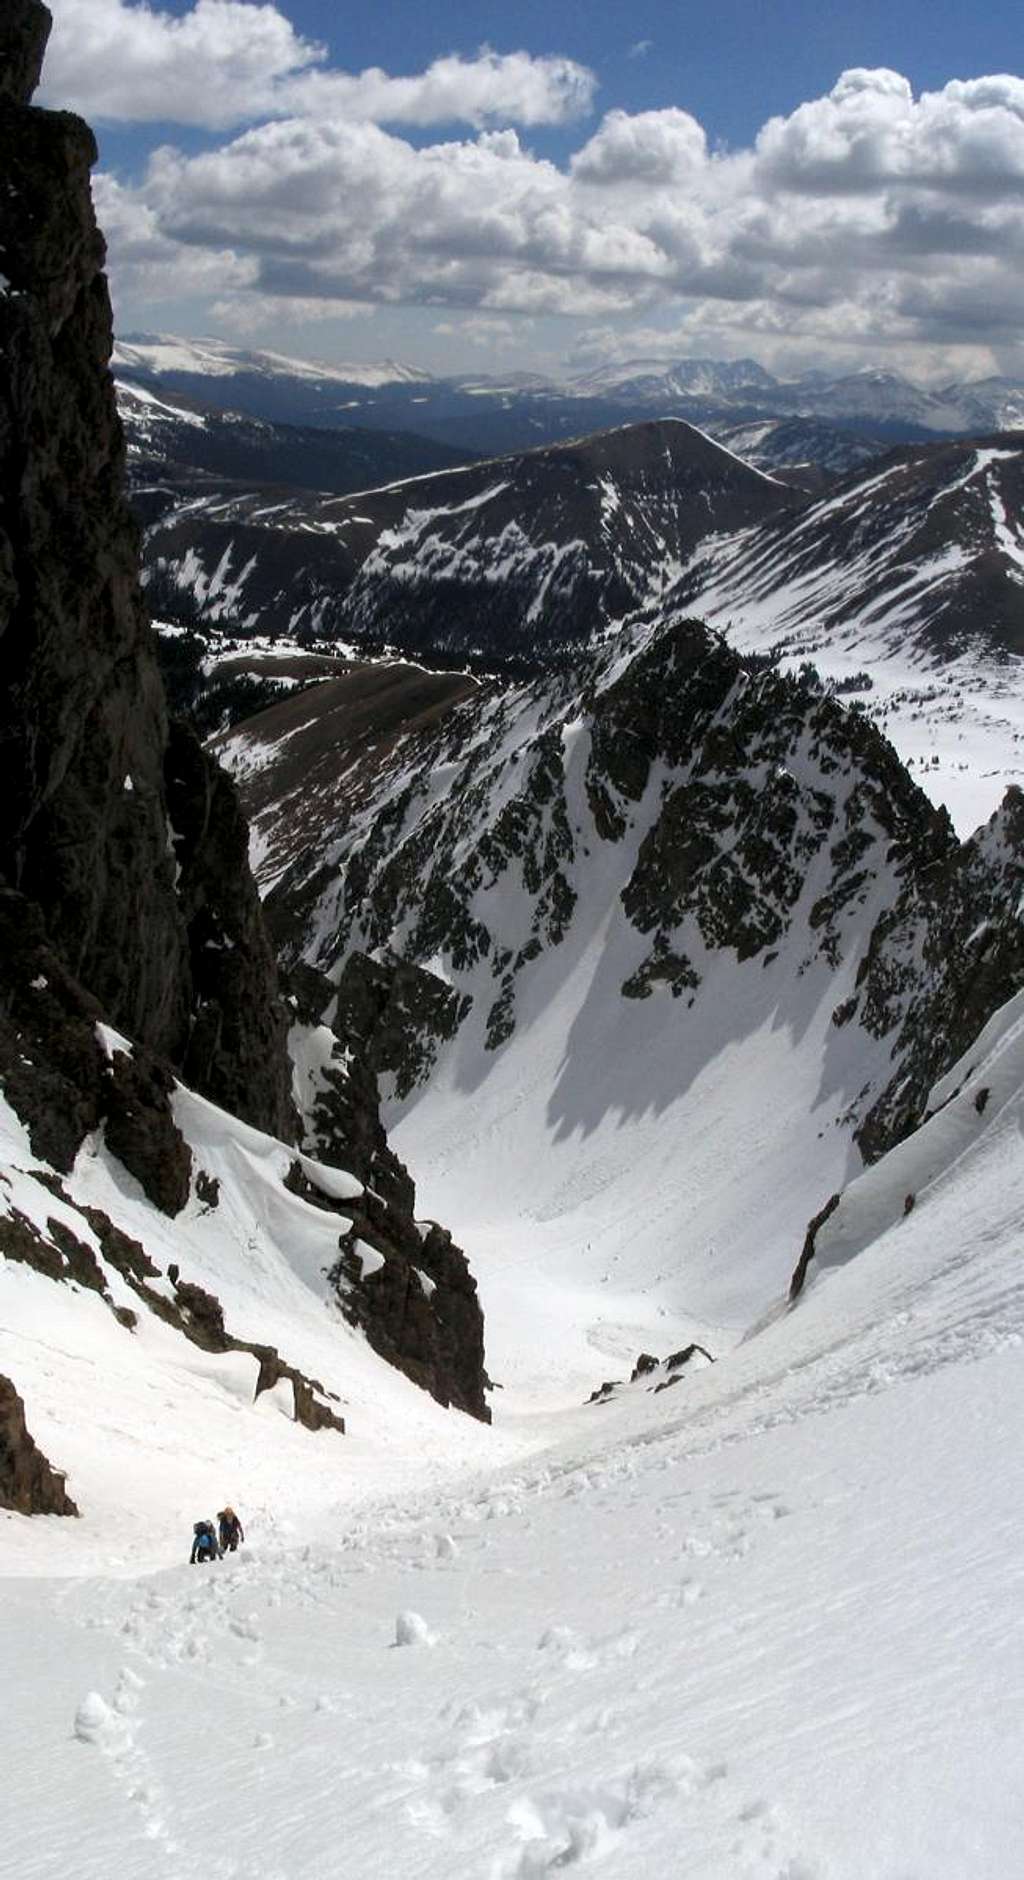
[335, 1182]
[411, 1629]
[95, 1722]
[112, 1041]
[370, 1261]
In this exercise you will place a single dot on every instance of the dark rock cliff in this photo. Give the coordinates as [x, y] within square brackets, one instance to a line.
[28, 1484]
[414, 1297]
[125, 837]
[126, 898]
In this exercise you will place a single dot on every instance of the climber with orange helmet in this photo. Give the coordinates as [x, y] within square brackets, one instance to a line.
[230, 1530]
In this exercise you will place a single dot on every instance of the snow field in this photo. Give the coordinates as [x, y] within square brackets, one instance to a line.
[768, 1625]
[760, 1645]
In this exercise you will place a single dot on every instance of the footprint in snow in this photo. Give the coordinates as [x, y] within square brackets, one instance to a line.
[563, 1828]
[112, 1729]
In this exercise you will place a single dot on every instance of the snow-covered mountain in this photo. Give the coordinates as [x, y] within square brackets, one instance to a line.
[657, 890]
[904, 583]
[161, 355]
[498, 559]
[809, 452]
[875, 395]
[643, 953]
[905, 586]
[653, 381]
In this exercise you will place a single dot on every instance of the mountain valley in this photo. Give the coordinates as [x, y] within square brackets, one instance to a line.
[511, 1077]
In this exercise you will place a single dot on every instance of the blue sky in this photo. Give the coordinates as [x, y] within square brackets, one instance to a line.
[608, 180]
[733, 63]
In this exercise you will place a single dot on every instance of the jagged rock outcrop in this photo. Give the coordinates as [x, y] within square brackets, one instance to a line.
[63, 1254]
[655, 1374]
[341, 1112]
[403, 1281]
[28, 1483]
[410, 1288]
[22, 46]
[64, 1081]
[235, 1050]
[93, 777]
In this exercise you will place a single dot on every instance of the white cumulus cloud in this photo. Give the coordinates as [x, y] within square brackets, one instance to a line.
[227, 62]
[870, 218]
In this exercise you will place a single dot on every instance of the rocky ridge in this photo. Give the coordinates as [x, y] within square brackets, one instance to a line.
[28, 1483]
[178, 448]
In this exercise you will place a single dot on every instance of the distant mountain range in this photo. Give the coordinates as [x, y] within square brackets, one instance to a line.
[489, 413]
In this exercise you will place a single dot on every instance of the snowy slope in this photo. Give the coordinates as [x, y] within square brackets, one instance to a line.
[764, 1626]
[906, 588]
[542, 549]
[161, 355]
[149, 1427]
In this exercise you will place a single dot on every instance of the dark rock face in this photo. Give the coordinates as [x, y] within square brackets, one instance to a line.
[235, 1051]
[60, 1079]
[342, 1126]
[82, 725]
[28, 1484]
[23, 36]
[126, 898]
[94, 780]
[419, 1308]
[398, 1014]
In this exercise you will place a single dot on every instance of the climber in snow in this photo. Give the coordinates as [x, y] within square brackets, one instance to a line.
[204, 1544]
[230, 1530]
